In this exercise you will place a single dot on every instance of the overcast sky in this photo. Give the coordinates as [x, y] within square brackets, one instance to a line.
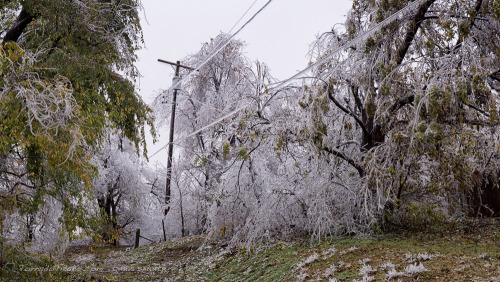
[279, 36]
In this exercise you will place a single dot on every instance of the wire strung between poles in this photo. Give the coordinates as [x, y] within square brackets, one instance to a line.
[280, 85]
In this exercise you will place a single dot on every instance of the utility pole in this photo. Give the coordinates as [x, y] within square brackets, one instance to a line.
[176, 84]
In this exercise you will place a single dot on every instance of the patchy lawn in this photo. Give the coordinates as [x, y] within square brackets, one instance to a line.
[437, 257]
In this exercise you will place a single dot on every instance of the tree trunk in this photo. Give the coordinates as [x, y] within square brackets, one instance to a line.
[17, 29]
[485, 196]
[374, 137]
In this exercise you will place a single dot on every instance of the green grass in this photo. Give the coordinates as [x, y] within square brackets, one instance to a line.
[458, 257]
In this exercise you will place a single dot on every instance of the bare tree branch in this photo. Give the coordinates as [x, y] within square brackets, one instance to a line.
[345, 110]
[357, 100]
[350, 161]
[494, 80]
[402, 102]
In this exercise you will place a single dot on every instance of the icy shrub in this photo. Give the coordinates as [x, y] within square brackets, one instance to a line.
[414, 268]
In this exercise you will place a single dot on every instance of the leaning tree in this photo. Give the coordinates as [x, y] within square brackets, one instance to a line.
[408, 102]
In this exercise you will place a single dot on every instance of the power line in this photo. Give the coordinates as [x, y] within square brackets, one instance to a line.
[200, 129]
[352, 42]
[226, 43]
[218, 48]
[234, 34]
[246, 12]
[215, 53]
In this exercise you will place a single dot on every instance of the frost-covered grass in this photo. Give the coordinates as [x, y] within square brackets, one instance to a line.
[441, 257]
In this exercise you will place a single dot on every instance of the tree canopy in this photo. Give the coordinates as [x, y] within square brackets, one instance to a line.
[416, 101]
[67, 74]
[396, 127]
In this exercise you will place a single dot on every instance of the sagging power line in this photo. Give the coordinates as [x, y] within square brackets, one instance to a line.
[179, 82]
[283, 83]
[217, 50]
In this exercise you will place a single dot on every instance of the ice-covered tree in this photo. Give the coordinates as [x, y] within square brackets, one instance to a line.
[66, 69]
[248, 176]
[410, 107]
[396, 126]
[122, 189]
[225, 83]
